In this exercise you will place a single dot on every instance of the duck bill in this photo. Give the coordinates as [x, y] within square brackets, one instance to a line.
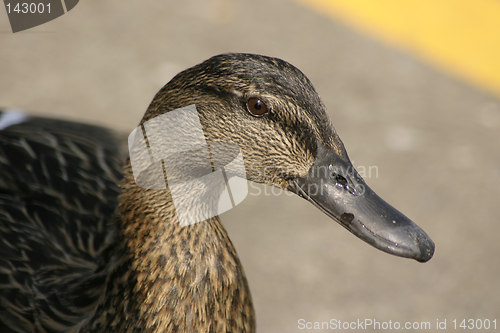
[334, 186]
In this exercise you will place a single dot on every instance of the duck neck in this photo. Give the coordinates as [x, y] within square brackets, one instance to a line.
[175, 278]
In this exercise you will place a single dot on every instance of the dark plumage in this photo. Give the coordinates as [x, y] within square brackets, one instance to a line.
[82, 250]
[58, 197]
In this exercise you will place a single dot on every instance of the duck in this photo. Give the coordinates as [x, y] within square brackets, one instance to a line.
[85, 248]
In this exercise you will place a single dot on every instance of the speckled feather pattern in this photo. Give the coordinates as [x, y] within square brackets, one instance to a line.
[82, 251]
[179, 279]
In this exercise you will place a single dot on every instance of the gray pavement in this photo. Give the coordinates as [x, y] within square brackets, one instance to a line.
[433, 139]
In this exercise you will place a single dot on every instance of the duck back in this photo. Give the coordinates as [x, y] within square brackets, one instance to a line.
[58, 198]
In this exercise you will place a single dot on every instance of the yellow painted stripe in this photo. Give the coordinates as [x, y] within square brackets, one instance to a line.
[460, 36]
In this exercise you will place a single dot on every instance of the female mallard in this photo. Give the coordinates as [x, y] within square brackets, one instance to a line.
[80, 253]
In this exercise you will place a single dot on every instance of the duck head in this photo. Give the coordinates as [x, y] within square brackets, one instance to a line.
[271, 111]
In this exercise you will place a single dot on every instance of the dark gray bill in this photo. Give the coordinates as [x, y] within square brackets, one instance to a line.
[334, 186]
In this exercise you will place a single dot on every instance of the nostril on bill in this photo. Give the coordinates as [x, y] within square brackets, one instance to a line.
[340, 180]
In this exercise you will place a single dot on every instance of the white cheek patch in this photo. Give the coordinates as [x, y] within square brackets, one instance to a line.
[11, 117]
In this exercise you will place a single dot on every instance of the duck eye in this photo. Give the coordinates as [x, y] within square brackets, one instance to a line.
[256, 107]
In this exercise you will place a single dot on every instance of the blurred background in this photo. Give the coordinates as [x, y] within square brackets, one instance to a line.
[412, 87]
